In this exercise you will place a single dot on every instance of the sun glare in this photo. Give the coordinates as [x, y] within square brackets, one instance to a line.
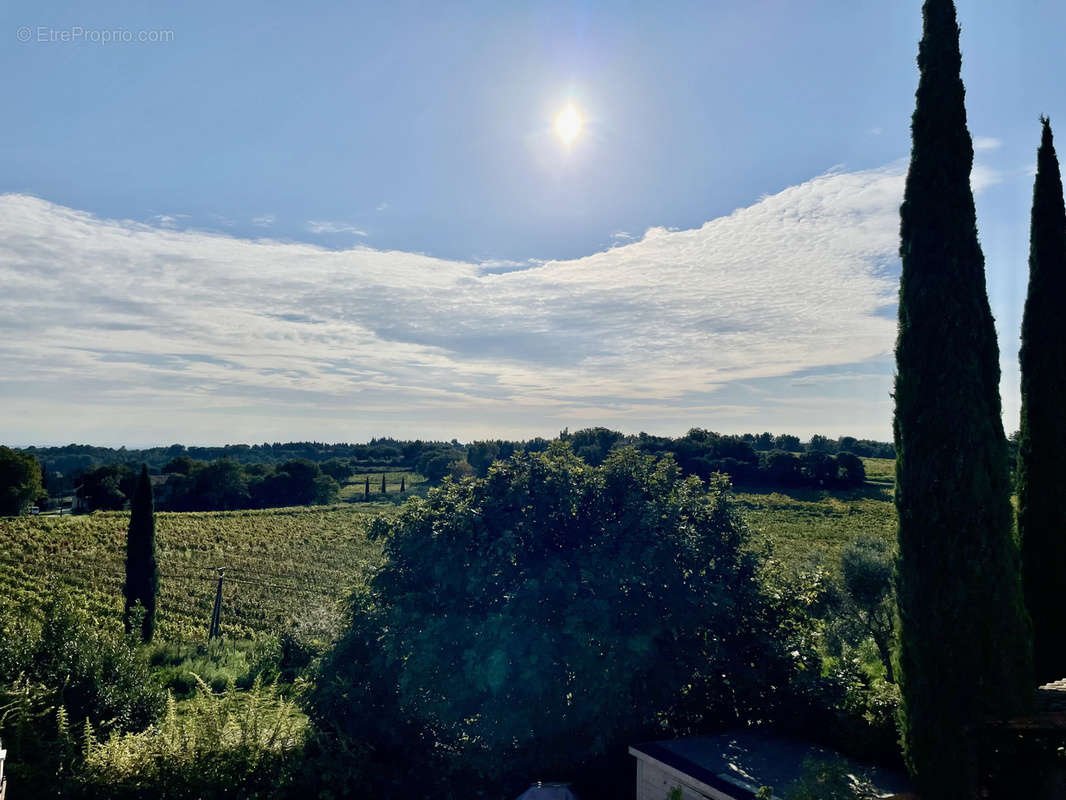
[568, 124]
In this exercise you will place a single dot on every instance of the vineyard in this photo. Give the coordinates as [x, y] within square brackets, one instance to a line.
[284, 568]
[811, 525]
[292, 567]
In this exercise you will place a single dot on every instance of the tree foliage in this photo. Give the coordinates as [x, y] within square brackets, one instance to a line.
[20, 481]
[868, 601]
[526, 621]
[90, 669]
[142, 570]
[1042, 439]
[964, 650]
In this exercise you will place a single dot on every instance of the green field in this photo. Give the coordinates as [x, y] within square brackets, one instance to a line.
[810, 524]
[284, 567]
[293, 566]
[414, 484]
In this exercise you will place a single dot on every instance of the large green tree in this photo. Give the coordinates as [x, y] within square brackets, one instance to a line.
[142, 571]
[1042, 442]
[527, 622]
[964, 649]
[20, 481]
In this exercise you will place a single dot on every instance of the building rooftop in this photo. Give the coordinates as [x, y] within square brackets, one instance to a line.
[738, 763]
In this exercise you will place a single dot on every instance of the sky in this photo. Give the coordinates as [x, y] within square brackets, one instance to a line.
[249, 222]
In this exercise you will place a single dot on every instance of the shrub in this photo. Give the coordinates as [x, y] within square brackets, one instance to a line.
[532, 619]
[231, 745]
[59, 677]
[92, 671]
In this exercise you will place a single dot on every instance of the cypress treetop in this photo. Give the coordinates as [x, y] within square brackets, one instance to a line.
[963, 651]
[142, 571]
[1042, 440]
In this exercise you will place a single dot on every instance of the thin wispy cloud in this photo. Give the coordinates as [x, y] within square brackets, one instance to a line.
[334, 227]
[167, 220]
[264, 221]
[194, 325]
[986, 143]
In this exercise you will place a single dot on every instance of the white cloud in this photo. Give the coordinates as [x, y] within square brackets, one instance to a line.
[982, 176]
[383, 206]
[141, 326]
[167, 220]
[264, 221]
[334, 227]
[986, 143]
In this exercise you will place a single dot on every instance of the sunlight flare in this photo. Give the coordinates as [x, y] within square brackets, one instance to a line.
[568, 124]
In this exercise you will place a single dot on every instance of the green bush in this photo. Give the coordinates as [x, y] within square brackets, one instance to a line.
[531, 620]
[59, 677]
[234, 744]
[92, 671]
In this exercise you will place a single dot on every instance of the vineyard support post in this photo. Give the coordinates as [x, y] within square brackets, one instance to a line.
[216, 615]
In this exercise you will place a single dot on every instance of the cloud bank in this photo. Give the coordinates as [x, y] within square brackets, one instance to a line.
[113, 323]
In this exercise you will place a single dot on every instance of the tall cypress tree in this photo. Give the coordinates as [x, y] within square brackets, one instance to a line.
[383, 483]
[964, 649]
[142, 572]
[1042, 444]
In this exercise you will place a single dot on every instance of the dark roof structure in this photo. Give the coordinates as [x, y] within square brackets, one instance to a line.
[736, 764]
[548, 791]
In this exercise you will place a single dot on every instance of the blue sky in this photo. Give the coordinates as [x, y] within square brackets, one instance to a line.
[333, 221]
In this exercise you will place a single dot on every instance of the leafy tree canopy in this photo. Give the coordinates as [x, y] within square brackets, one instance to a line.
[20, 481]
[529, 619]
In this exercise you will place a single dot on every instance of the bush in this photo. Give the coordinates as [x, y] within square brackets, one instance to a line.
[236, 744]
[529, 621]
[64, 674]
[93, 672]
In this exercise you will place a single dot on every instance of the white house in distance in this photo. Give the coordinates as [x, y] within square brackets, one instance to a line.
[735, 765]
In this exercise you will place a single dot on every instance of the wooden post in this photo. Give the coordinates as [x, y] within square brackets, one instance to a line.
[216, 615]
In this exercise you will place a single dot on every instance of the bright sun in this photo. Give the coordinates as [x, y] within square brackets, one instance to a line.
[568, 124]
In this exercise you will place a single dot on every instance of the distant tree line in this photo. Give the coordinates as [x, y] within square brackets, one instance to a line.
[64, 466]
[221, 485]
[302, 473]
[747, 459]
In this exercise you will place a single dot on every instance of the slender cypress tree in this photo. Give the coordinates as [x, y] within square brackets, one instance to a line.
[403, 484]
[366, 488]
[142, 572]
[1042, 444]
[964, 648]
[383, 483]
